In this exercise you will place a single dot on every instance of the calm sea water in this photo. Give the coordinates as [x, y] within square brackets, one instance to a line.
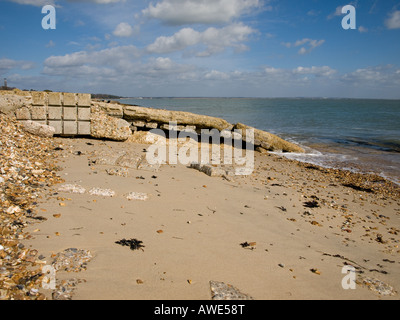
[361, 135]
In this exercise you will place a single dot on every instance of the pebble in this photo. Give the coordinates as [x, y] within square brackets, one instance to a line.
[27, 166]
[137, 196]
[102, 192]
[72, 188]
[222, 291]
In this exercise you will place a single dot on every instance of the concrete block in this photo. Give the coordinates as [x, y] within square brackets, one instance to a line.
[39, 113]
[70, 113]
[38, 98]
[55, 113]
[152, 125]
[84, 114]
[139, 124]
[70, 128]
[57, 125]
[84, 128]
[69, 99]
[23, 114]
[84, 99]
[54, 98]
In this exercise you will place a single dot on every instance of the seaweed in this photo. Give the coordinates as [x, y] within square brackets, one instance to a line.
[134, 244]
[312, 204]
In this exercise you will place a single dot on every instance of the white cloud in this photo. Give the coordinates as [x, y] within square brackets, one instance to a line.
[362, 29]
[50, 44]
[216, 40]
[117, 59]
[338, 12]
[324, 71]
[393, 21]
[387, 75]
[180, 12]
[40, 3]
[9, 64]
[123, 30]
[306, 42]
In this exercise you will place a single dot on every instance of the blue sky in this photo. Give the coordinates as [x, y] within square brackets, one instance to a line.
[240, 48]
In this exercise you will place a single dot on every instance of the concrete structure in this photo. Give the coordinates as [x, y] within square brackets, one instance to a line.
[75, 114]
[68, 113]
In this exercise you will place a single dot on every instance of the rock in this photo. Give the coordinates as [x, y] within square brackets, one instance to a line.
[11, 101]
[134, 113]
[377, 286]
[39, 129]
[102, 192]
[222, 291]
[137, 196]
[111, 109]
[269, 141]
[105, 127]
[72, 188]
[72, 260]
[212, 171]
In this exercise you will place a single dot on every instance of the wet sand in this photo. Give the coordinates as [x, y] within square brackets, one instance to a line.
[193, 225]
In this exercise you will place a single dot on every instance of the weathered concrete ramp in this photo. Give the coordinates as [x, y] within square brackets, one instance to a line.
[181, 118]
[268, 140]
[76, 114]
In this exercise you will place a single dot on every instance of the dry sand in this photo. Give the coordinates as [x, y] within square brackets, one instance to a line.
[192, 227]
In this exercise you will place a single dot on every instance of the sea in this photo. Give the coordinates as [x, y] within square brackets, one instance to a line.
[353, 134]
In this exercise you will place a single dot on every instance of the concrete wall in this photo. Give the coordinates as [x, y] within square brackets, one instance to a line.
[68, 113]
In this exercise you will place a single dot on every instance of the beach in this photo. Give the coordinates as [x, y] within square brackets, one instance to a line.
[192, 227]
[87, 218]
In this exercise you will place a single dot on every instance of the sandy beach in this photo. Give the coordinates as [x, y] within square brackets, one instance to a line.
[194, 229]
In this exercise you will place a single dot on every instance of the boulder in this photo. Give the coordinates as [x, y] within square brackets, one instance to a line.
[134, 113]
[268, 140]
[104, 126]
[10, 102]
[39, 129]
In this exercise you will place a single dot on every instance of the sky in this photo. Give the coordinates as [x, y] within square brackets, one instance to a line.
[203, 48]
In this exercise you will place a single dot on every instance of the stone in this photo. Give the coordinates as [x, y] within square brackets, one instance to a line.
[137, 196]
[55, 113]
[377, 286]
[134, 113]
[84, 100]
[212, 171]
[70, 128]
[57, 125]
[70, 113]
[9, 103]
[38, 129]
[84, 114]
[102, 192]
[222, 291]
[152, 125]
[128, 160]
[72, 188]
[105, 127]
[39, 113]
[23, 113]
[84, 128]
[72, 260]
[140, 124]
[69, 99]
[38, 98]
[54, 98]
[269, 141]
[112, 109]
